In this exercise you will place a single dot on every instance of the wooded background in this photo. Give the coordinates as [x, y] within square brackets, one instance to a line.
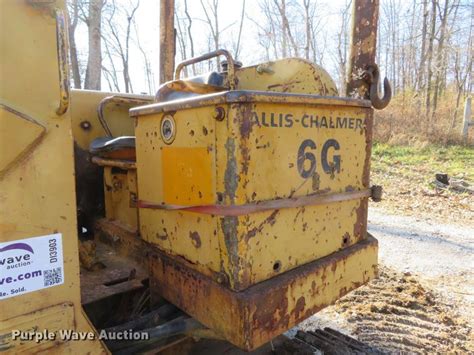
[425, 48]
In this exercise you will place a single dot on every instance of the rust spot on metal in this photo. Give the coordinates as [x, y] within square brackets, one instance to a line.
[346, 238]
[285, 86]
[231, 178]
[244, 114]
[272, 312]
[195, 238]
[315, 181]
[270, 220]
[363, 43]
[300, 306]
[305, 226]
[244, 151]
[360, 226]
[369, 120]
[245, 121]
[229, 228]
[62, 49]
[261, 311]
[300, 211]
[162, 236]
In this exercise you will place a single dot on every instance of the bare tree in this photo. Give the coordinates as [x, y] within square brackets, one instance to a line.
[286, 29]
[318, 37]
[184, 35]
[342, 46]
[211, 11]
[237, 46]
[94, 61]
[118, 37]
[150, 79]
[430, 58]
[190, 33]
[424, 32]
[463, 70]
[307, 21]
[181, 38]
[440, 66]
[73, 20]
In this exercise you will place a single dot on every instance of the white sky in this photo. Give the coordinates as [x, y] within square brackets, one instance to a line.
[147, 19]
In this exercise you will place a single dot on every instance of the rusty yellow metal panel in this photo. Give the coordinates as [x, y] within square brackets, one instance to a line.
[269, 147]
[295, 75]
[54, 319]
[285, 151]
[190, 236]
[187, 176]
[31, 132]
[254, 316]
[119, 195]
[37, 193]
[84, 117]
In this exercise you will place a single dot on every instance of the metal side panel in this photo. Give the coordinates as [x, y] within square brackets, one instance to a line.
[37, 194]
[252, 317]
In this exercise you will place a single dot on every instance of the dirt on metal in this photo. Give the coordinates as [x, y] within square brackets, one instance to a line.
[396, 313]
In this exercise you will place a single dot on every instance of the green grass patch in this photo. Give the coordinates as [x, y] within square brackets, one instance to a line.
[412, 161]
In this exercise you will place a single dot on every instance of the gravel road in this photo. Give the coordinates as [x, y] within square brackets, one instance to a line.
[441, 254]
[420, 246]
[423, 299]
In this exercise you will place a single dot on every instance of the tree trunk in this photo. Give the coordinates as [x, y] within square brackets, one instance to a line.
[190, 35]
[421, 70]
[307, 19]
[429, 60]
[242, 16]
[73, 17]
[440, 56]
[94, 61]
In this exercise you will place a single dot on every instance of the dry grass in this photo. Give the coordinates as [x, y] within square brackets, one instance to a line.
[407, 172]
[404, 121]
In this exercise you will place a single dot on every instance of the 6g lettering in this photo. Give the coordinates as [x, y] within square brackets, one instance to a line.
[306, 160]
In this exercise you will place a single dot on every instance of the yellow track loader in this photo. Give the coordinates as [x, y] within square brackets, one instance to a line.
[228, 206]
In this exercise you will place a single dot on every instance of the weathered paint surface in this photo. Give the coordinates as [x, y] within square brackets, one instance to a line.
[37, 191]
[261, 151]
[365, 14]
[120, 190]
[62, 50]
[85, 121]
[195, 138]
[188, 177]
[252, 317]
[12, 120]
[287, 75]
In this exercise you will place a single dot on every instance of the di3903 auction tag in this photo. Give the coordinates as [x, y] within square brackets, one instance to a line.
[31, 264]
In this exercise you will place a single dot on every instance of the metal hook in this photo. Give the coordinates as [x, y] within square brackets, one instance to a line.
[373, 77]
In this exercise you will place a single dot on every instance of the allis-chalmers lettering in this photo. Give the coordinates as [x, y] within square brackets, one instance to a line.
[288, 120]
